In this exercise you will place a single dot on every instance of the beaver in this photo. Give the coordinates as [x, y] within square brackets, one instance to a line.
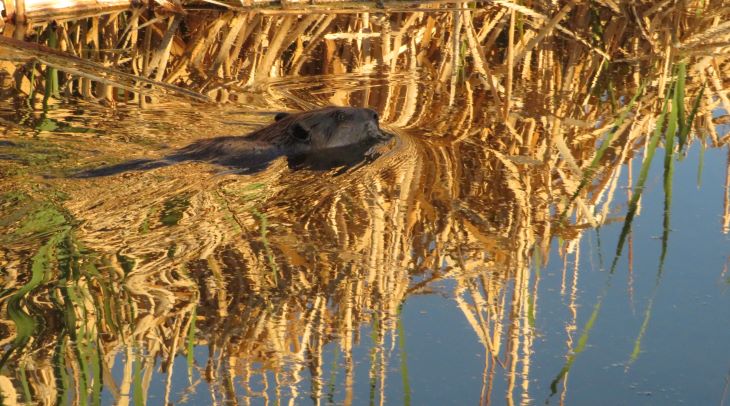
[317, 139]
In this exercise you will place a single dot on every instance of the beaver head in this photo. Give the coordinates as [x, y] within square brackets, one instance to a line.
[322, 129]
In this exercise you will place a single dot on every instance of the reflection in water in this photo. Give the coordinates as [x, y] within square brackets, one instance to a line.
[269, 282]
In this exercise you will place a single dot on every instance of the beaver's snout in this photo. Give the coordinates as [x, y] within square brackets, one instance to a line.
[382, 135]
[373, 129]
[375, 132]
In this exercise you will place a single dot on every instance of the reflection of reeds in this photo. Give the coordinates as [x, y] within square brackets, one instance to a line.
[498, 108]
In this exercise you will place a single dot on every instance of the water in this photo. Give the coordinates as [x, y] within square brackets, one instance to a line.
[439, 273]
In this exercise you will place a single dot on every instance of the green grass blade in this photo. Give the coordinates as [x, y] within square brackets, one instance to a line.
[25, 384]
[701, 164]
[642, 331]
[32, 90]
[688, 125]
[608, 140]
[531, 308]
[61, 375]
[267, 247]
[68, 264]
[333, 376]
[137, 388]
[403, 359]
[374, 363]
[674, 121]
[109, 317]
[679, 97]
[643, 175]
[582, 340]
[191, 344]
[25, 324]
[98, 384]
[52, 87]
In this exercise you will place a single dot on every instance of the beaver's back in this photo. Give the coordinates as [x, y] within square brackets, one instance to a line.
[230, 150]
[280, 132]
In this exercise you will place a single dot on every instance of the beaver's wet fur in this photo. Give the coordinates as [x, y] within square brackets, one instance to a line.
[336, 136]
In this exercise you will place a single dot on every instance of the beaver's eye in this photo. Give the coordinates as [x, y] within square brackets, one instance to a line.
[340, 116]
[300, 133]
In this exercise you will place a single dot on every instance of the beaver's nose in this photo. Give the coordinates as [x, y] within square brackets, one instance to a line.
[380, 134]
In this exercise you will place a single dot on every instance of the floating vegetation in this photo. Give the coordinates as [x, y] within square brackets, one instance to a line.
[518, 126]
[173, 209]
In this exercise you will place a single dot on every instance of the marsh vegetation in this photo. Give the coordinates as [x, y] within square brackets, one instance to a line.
[528, 135]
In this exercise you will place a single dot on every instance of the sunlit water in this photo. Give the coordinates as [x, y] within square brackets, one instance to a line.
[435, 274]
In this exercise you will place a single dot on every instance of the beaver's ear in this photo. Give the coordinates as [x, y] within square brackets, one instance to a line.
[279, 116]
[299, 133]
